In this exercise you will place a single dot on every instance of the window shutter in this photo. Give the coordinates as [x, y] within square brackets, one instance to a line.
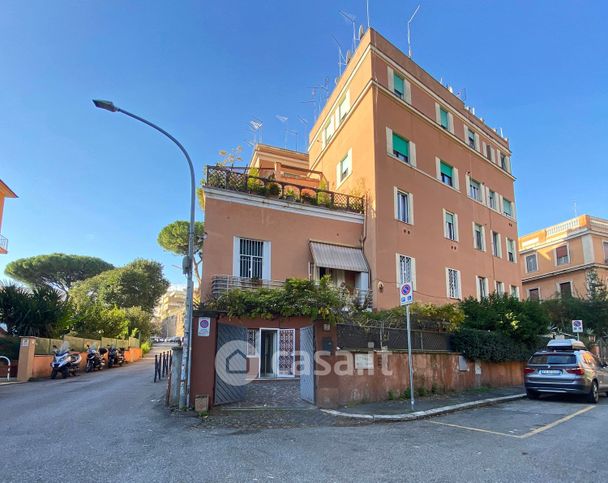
[437, 113]
[338, 173]
[412, 153]
[447, 169]
[400, 145]
[477, 144]
[398, 84]
[266, 261]
[236, 256]
[389, 140]
[456, 179]
[391, 80]
[561, 252]
[408, 92]
[450, 122]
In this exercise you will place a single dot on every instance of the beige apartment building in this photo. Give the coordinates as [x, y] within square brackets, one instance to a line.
[401, 182]
[170, 312]
[5, 192]
[555, 260]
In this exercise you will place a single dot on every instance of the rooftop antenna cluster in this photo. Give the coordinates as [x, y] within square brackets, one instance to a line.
[255, 126]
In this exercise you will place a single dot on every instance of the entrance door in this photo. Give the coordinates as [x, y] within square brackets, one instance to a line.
[307, 364]
[287, 352]
[230, 364]
[267, 353]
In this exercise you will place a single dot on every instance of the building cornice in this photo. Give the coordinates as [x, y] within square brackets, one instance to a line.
[563, 271]
[281, 205]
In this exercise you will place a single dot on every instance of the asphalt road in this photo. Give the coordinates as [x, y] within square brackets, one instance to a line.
[112, 426]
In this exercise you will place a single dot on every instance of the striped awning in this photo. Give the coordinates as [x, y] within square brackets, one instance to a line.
[338, 257]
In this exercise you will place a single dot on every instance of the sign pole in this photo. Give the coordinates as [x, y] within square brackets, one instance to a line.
[409, 354]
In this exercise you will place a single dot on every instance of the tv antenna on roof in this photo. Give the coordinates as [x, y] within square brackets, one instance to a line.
[409, 40]
[341, 58]
[349, 17]
[255, 126]
[283, 120]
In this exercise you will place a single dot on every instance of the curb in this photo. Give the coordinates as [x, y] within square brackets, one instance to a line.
[425, 414]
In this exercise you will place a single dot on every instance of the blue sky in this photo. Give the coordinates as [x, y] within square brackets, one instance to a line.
[91, 182]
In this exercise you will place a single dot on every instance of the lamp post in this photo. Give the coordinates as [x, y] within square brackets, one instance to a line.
[187, 265]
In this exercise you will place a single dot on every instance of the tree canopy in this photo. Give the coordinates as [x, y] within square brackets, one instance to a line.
[58, 271]
[174, 238]
[137, 284]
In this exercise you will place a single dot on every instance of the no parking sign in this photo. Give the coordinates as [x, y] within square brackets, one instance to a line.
[577, 326]
[406, 293]
[203, 326]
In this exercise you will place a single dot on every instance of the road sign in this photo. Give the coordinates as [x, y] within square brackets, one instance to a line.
[204, 323]
[577, 326]
[406, 294]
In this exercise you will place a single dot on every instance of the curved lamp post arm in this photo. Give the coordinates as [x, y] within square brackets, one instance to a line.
[187, 349]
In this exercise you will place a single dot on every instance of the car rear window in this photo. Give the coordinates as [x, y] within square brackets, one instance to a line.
[553, 359]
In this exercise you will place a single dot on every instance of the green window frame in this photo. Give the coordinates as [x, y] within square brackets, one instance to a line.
[398, 86]
[447, 174]
[401, 148]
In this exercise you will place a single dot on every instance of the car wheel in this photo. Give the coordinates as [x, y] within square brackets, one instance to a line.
[532, 394]
[594, 395]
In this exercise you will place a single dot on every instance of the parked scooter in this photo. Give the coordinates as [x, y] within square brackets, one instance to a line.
[116, 357]
[94, 359]
[65, 363]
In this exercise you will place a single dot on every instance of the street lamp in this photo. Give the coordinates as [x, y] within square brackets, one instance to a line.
[187, 265]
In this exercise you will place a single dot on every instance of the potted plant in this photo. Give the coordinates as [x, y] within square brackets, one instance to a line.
[290, 194]
[274, 189]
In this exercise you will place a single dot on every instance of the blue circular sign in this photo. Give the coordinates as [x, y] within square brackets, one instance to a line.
[406, 289]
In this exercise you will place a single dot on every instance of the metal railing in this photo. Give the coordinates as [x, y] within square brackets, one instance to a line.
[3, 243]
[356, 337]
[240, 180]
[220, 284]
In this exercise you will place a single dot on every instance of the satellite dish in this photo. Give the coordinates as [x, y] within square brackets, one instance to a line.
[361, 32]
[349, 56]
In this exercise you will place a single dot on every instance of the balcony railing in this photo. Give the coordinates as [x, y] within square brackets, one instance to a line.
[3, 243]
[240, 180]
[220, 284]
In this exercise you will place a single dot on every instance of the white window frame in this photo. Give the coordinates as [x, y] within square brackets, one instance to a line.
[328, 126]
[389, 148]
[514, 291]
[410, 206]
[528, 290]
[483, 237]
[348, 160]
[457, 296]
[555, 255]
[507, 244]
[470, 182]
[496, 248]
[604, 251]
[407, 95]
[486, 288]
[499, 287]
[399, 279]
[266, 257]
[496, 199]
[455, 178]
[535, 255]
[475, 138]
[445, 227]
[438, 108]
[502, 207]
[342, 110]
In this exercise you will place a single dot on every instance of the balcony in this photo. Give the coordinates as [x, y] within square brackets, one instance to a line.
[3, 244]
[220, 284]
[241, 180]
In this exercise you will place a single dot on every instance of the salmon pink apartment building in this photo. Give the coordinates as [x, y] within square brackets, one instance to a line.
[556, 260]
[400, 182]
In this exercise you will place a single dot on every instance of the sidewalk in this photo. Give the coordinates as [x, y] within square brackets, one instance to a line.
[400, 410]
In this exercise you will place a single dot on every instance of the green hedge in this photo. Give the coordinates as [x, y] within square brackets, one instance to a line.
[491, 346]
[9, 347]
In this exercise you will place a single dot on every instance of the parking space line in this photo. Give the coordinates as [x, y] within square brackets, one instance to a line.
[518, 436]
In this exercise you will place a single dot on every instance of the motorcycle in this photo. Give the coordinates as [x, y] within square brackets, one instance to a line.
[65, 363]
[94, 360]
[116, 357]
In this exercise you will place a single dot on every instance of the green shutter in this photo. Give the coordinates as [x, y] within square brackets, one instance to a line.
[449, 218]
[446, 169]
[401, 145]
[444, 117]
[398, 84]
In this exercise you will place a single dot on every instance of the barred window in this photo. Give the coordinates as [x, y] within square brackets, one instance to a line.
[251, 256]
[406, 269]
[453, 283]
[252, 335]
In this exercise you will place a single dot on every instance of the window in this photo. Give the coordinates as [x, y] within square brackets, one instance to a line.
[492, 200]
[403, 207]
[561, 255]
[496, 248]
[471, 141]
[510, 250]
[406, 269]
[507, 207]
[489, 152]
[328, 132]
[565, 290]
[344, 168]
[251, 258]
[451, 229]
[531, 263]
[503, 162]
[252, 335]
[478, 237]
[398, 86]
[515, 291]
[605, 245]
[500, 288]
[344, 107]
[475, 189]
[444, 119]
[453, 283]
[401, 148]
[534, 294]
[482, 287]
[447, 173]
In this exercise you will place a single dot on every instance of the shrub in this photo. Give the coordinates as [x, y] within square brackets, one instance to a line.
[274, 189]
[145, 347]
[492, 346]
[9, 347]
